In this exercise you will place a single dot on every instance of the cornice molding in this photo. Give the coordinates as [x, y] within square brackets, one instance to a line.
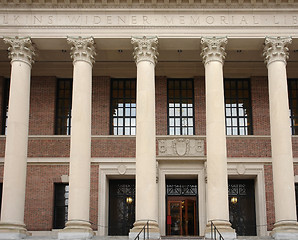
[140, 4]
[21, 49]
[276, 49]
[83, 49]
[213, 49]
[145, 49]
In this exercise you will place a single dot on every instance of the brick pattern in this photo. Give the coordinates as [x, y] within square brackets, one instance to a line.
[94, 196]
[101, 106]
[200, 105]
[269, 196]
[112, 147]
[41, 178]
[248, 147]
[161, 113]
[260, 105]
[42, 105]
[39, 205]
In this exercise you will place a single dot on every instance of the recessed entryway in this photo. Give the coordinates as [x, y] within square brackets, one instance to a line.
[182, 208]
[121, 206]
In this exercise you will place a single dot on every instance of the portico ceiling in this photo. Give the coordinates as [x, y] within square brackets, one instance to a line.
[178, 57]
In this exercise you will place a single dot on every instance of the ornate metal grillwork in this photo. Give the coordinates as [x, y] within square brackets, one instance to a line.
[182, 188]
[242, 207]
[237, 189]
[122, 206]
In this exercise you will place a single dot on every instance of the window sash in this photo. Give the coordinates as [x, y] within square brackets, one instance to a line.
[238, 112]
[180, 105]
[123, 107]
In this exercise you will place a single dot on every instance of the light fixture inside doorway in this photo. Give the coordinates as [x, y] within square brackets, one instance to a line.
[128, 200]
[234, 200]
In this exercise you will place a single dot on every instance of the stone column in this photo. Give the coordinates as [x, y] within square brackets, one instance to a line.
[21, 53]
[213, 54]
[276, 55]
[145, 54]
[78, 226]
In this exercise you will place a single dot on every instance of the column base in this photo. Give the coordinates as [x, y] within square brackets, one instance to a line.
[154, 232]
[224, 227]
[76, 230]
[13, 231]
[285, 230]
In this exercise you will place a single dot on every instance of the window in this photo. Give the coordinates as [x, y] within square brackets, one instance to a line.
[180, 107]
[238, 107]
[60, 205]
[293, 99]
[5, 106]
[123, 107]
[296, 193]
[63, 107]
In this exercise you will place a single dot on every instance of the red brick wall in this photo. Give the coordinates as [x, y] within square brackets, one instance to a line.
[94, 195]
[42, 105]
[100, 106]
[248, 147]
[161, 113]
[269, 196]
[200, 105]
[39, 205]
[260, 106]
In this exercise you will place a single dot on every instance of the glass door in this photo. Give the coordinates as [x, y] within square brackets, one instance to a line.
[181, 219]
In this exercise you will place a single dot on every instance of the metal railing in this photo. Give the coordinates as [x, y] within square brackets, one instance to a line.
[215, 232]
[144, 231]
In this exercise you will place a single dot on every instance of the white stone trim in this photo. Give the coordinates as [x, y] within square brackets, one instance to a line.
[108, 170]
[253, 171]
[182, 170]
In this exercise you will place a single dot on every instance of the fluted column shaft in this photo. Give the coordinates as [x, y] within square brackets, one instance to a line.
[82, 53]
[21, 54]
[213, 53]
[145, 54]
[276, 54]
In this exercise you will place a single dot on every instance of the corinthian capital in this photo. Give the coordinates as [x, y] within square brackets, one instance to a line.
[82, 49]
[145, 49]
[213, 49]
[21, 49]
[276, 49]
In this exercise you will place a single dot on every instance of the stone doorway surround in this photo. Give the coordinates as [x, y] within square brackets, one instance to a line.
[249, 169]
[117, 168]
[181, 169]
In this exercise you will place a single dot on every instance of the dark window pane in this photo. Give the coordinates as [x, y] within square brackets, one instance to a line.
[180, 107]
[238, 106]
[293, 100]
[61, 193]
[123, 108]
[5, 106]
[63, 107]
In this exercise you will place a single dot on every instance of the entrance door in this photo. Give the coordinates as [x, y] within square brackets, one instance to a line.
[181, 200]
[121, 206]
[181, 219]
[242, 207]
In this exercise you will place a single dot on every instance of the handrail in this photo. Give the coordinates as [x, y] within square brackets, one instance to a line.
[214, 230]
[143, 229]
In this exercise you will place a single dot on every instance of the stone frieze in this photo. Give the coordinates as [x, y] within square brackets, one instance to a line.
[181, 147]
